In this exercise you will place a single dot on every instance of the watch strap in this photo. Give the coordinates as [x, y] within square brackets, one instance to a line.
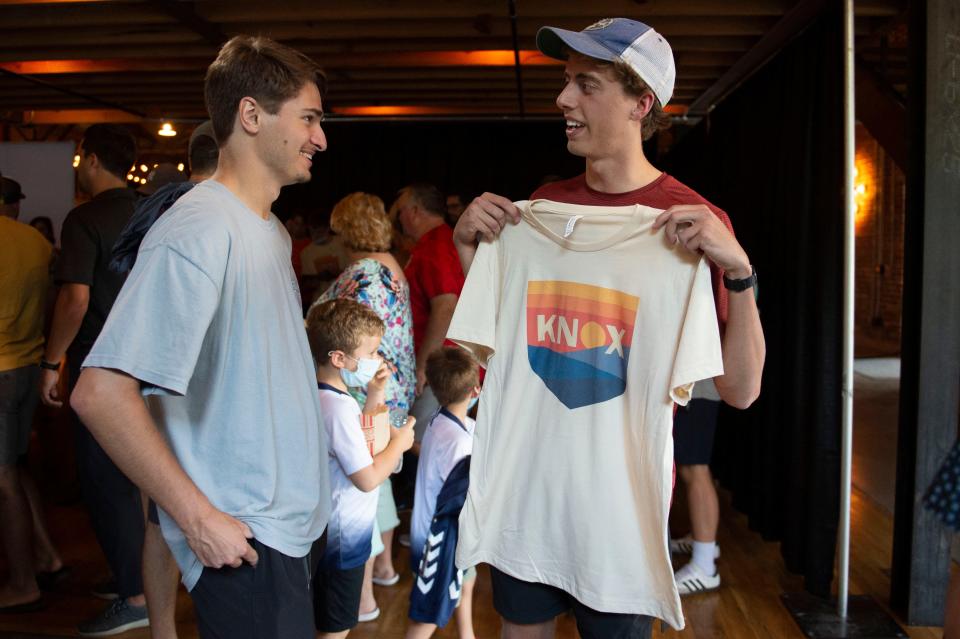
[742, 284]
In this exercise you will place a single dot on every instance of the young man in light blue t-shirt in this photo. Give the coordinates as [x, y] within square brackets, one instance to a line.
[344, 337]
[208, 327]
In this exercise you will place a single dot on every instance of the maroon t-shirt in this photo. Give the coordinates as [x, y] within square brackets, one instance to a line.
[434, 269]
[662, 193]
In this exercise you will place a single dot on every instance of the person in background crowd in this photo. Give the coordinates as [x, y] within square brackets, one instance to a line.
[45, 225]
[88, 289]
[32, 560]
[436, 278]
[455, 207]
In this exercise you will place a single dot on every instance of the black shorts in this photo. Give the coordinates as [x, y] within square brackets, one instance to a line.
[268, 601]
[523, 602]
[336, 598]
[693, 429]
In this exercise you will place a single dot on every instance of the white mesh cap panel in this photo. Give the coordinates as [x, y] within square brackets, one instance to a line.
[652, 58]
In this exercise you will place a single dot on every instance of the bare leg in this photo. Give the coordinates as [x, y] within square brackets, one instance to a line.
[545, 630]
[16, 533]
[702, 500]
[417, 630]
[464, 612]
[160, 577]
[368, 603]
[45, 553]
[383, 563]
[332, 635]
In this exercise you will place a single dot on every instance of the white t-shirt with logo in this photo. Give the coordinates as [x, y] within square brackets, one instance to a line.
[591, 325]
[445, 442]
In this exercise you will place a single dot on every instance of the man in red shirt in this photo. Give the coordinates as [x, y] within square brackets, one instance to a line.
[435, 276]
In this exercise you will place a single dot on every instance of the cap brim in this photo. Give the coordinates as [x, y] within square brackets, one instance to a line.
[552, 42]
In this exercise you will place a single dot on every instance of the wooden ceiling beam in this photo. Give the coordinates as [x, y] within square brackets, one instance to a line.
[785, 30]
[23, 48]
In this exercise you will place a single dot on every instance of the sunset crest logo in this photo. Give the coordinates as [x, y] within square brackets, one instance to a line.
[578, 339]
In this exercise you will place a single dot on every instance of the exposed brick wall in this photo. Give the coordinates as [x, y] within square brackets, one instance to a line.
[879, 268]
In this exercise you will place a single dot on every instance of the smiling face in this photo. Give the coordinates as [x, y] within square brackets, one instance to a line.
[601, 117]
[291, 137]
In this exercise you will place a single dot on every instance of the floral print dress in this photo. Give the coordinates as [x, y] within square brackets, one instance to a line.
[374, 285]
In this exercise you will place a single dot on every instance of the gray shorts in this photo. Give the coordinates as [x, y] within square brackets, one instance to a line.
[19, 392]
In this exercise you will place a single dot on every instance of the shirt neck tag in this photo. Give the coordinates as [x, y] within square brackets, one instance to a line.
[570, 224]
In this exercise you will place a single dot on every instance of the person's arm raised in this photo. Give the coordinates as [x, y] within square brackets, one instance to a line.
[483, 219]
[699, 230]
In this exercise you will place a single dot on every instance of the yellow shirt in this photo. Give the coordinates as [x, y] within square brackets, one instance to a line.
[24, 277]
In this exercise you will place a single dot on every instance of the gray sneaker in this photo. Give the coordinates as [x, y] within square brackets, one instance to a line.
[118, 617]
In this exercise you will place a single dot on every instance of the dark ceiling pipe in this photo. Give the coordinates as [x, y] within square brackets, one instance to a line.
[516, 54]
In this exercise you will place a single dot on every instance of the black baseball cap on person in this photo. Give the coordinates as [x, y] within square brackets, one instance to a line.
[10, 191]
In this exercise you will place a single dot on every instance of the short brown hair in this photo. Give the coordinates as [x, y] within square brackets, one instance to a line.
[362, 222]
[656, 118]
[339, 325]
[259, 68]
[452, 374]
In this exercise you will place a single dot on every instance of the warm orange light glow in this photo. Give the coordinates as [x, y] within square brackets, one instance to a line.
[490, 58]
[78, 116]
[864, 189]
[76, 161]
[167, 130]
[414, 110]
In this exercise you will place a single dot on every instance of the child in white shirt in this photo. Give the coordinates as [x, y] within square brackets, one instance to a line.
[344, 337]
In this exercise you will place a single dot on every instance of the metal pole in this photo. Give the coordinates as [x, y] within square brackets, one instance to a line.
[846, 461]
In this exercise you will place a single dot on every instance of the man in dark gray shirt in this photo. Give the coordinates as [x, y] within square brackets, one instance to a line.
[88, 289]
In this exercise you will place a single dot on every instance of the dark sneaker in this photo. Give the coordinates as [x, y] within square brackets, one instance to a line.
[106, 589]
[118, 617]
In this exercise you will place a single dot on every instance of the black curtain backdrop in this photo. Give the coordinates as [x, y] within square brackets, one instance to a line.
[508, 157]
[771, 156]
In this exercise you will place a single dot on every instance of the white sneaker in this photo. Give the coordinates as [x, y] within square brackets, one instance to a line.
[691, 581]
[368, 616]
[684, 546]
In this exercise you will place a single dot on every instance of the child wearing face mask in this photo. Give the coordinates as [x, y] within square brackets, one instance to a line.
[439, 587]
[344, 337]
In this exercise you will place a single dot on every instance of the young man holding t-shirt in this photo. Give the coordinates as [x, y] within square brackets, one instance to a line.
[619, 75]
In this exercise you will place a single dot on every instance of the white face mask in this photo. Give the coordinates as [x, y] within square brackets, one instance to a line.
[366, 370]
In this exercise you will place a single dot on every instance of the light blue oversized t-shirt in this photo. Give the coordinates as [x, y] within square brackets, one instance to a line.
[210, 318]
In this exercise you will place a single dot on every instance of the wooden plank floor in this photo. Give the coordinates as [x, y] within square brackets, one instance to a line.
[746, 607]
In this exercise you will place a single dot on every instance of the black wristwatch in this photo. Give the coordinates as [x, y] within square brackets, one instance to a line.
[743, 284]
[49, 366]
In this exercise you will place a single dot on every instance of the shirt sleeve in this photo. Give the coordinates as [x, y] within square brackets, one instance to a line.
[78, 254]
[159, 321]
[698, 350]
[347, 442]
[474, 323]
